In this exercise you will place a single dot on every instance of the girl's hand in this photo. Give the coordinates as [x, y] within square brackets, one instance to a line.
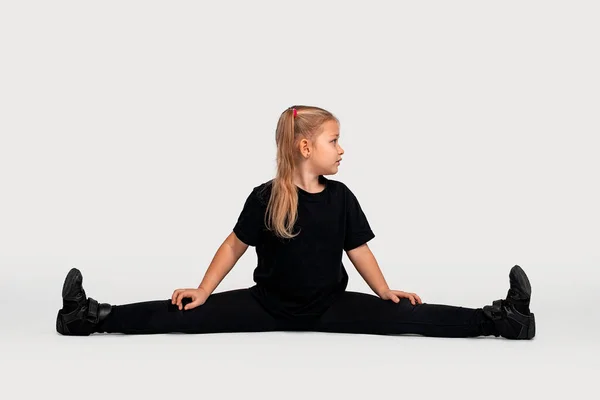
[198, 297]
[395, 296]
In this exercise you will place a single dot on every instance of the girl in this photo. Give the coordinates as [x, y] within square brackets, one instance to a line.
[299, 222]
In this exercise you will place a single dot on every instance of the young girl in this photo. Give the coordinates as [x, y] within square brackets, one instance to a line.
[299, 222]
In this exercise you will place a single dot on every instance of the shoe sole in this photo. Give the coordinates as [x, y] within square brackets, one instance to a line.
[60, 326]
[520, 278]
[522, 282]
[71, 278]
[531, 328]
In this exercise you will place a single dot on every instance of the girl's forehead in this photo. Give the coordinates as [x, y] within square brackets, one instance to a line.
[331, 128]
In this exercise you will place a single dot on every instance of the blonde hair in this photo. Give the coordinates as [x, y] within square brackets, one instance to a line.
[282, 208]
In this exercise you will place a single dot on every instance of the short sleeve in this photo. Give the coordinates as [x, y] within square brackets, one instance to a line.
[358, 230]
[250, 220]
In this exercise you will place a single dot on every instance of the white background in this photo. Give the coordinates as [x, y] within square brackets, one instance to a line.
[132, 132]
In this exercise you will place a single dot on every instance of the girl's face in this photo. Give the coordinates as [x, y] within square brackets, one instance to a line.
[325, 151]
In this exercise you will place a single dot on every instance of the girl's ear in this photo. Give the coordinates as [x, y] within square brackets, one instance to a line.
[304, 148]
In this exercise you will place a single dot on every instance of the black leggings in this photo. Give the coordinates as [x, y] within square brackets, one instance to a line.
[353, 312]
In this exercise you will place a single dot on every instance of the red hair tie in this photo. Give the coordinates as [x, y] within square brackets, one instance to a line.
[295, 113]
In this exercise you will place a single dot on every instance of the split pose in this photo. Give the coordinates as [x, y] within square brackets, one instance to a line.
[299, 222]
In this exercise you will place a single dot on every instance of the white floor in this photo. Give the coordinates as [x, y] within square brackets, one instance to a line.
[562, 360]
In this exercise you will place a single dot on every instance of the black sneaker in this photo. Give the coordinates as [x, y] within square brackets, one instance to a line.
[511, 316]
[519, 293]
[80, 315]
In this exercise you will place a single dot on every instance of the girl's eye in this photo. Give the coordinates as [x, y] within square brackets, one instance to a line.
[334, 140]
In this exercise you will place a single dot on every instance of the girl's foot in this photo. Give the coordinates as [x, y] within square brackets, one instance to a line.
[80, 315]
[519, 293]
[511, 316]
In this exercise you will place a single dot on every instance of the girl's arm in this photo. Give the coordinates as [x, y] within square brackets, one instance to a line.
[225, 258]
[365, 263]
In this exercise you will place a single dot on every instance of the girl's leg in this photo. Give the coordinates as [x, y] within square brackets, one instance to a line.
[355, 312]
[229, 311]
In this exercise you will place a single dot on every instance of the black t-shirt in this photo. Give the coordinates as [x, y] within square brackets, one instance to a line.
[301, 277]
